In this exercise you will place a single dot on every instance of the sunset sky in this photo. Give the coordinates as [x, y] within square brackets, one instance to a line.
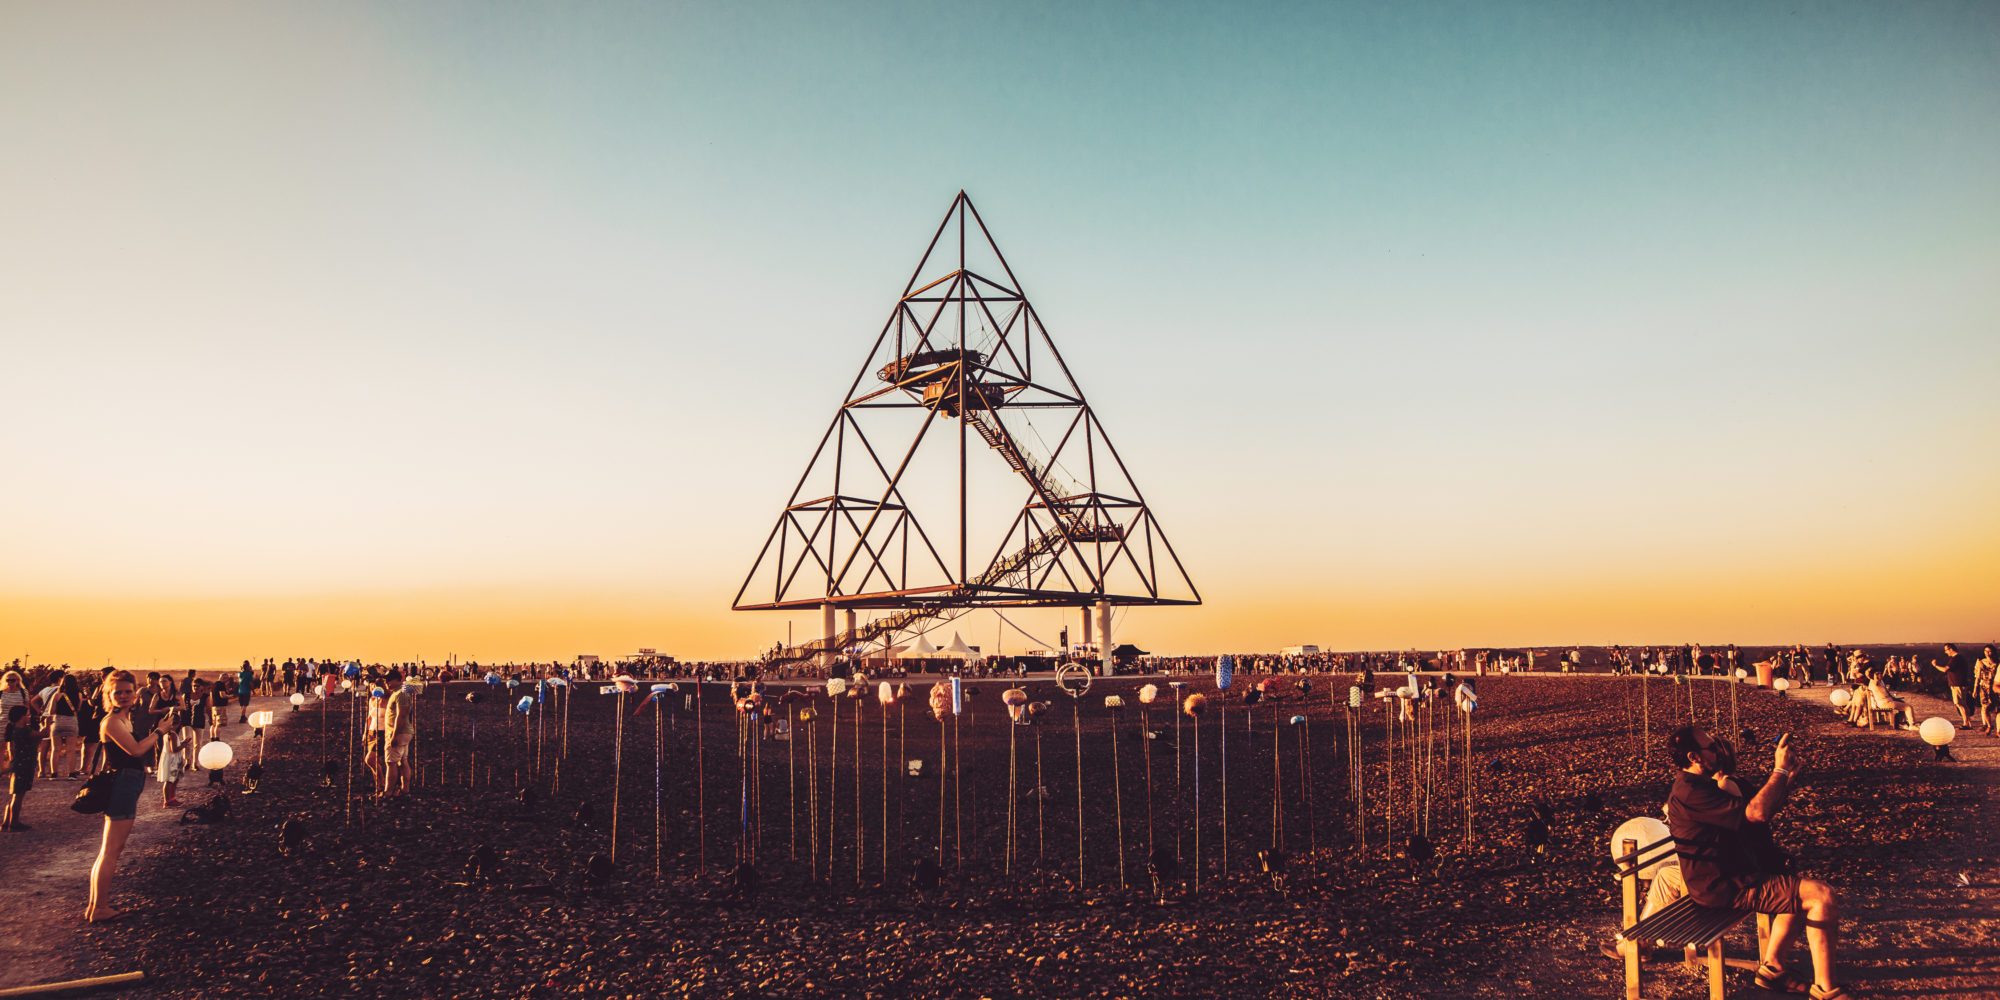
[408, 330]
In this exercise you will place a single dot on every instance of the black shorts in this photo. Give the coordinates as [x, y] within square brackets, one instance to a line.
[1775, 894]
[18, 782]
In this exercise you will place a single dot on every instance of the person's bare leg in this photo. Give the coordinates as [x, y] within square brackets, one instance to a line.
[115, 832]
[1782, 926]
[1817, 898]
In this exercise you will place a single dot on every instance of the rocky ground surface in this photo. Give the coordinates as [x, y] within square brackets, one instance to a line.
[398, 899]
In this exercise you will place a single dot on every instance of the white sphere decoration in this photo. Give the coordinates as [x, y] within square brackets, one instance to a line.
[1742, 674]
[215, 755]
[1781, 684]
[1937, 731]
[259, 720]
[1646, 830]
[1840, 697]
[298, 699]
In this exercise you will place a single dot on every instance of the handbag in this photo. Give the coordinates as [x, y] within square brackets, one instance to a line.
[95, 795]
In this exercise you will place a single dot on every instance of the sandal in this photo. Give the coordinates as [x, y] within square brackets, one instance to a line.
[1838, 992]
[1776, 980]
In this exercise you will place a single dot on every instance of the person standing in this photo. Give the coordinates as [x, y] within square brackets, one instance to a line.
[125, 753]
[246, 684]
[373, 743]
[1986, 689]
[22, 736]
[1727, 857]
[64, 705]
[1957, 670]
[400, 729]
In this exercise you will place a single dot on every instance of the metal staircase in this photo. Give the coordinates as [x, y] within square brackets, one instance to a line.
[934, 385]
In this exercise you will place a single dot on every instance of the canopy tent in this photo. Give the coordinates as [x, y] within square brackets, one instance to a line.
[959, 649]
[921, 648]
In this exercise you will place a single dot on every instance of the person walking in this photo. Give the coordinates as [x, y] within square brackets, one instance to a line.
[125, 754]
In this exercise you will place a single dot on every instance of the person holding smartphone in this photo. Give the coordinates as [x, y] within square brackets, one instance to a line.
[125, 753]
[1728, 860]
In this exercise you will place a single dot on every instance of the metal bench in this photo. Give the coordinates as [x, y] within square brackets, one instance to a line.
[1696, 930]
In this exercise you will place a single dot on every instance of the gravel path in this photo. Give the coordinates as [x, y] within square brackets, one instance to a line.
[48, 866]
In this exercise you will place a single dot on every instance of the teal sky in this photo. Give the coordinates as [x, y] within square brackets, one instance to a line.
[1420, 324]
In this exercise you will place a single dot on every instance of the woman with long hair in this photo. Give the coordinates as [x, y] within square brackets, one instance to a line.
[65, 704]
[125, 754]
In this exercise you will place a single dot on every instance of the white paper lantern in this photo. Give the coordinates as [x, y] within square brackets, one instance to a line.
[1741, 673]
[215, 755]
[1840, 697]
[1148, 693]
[836, 686]
[346, 685]
[298, 699]
[259, 720]
[1113, 701]
[1781, 684]
[1937, 732]
[1646, 830]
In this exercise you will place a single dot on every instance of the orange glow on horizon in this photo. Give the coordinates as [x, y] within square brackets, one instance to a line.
[1950, 596]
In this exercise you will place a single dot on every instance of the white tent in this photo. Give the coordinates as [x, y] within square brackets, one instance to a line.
[958, 648]
[921, 648]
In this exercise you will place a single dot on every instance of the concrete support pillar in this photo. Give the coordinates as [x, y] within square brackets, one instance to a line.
[1104, 635]
[1086, 626]
[848, 618]
[826, 656]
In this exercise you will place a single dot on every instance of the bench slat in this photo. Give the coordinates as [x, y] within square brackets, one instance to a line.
[1685, 924]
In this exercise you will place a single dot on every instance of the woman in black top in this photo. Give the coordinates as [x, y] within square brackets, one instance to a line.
[22, 734]
[89, 712]
[65, 704]
[125, 753]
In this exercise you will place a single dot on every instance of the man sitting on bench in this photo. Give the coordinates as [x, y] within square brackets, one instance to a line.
[1717, 836]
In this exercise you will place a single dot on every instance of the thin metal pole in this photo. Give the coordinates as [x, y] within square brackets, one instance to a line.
[700, 777]
[1076, 719]
[659, 778]
[617, 770]
[957, 794]
[792, 772]
[1118, 796]
[1146, 749]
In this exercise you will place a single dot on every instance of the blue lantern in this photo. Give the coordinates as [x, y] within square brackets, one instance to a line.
[1225, 671]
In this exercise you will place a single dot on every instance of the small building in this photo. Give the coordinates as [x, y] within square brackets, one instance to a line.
[1307, 650]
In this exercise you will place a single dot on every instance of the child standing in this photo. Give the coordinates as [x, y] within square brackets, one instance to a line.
[176, 740]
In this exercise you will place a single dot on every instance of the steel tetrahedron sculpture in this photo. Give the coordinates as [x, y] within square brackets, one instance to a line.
[963, 412]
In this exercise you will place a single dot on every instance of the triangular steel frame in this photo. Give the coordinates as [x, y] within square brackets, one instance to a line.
[862, 547]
